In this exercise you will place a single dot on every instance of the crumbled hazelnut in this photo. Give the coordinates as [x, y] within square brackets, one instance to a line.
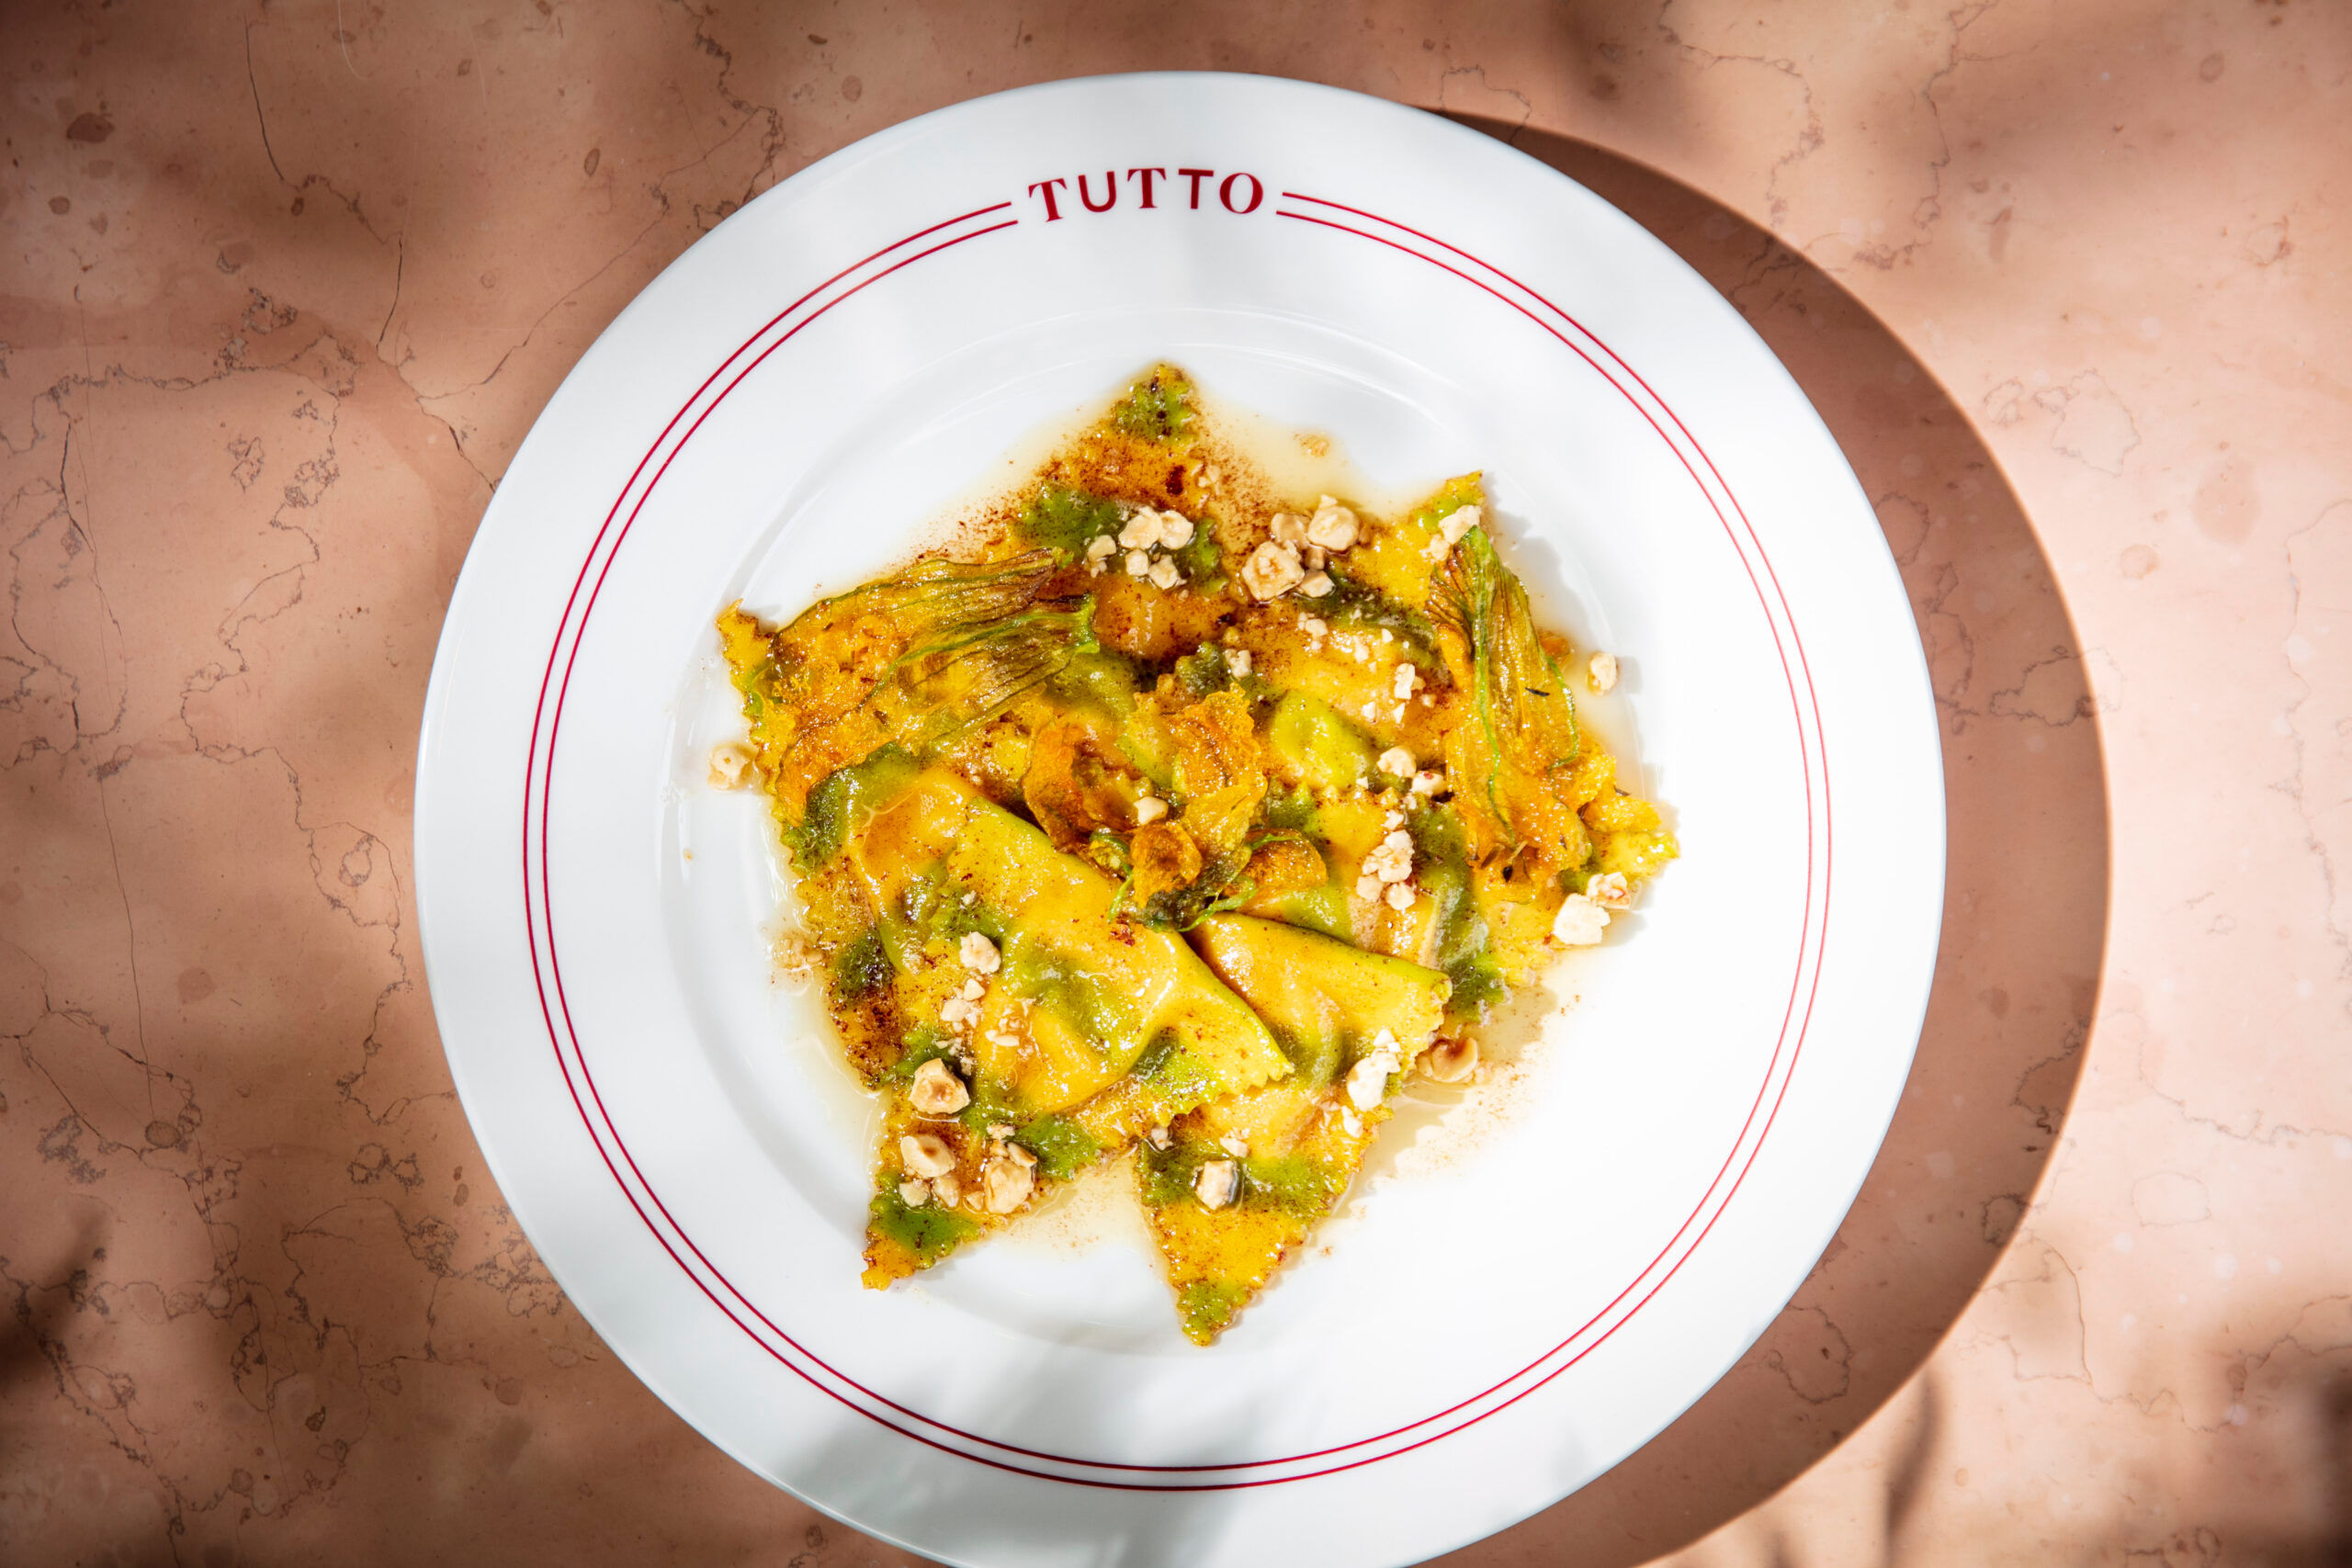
[1408, 675]
[926, 1154]
[1397, 763]
[936, 1091]
[1315, 556]
[1149, 808]
[1368, 887]
[797, 954]
[1333, 526]
[974, 989]
[1237, 660]
[1429, 781]
[999, 1131]
[1352, 1122]
[1289, 528]
[1142, 531]
[959, 1013]
[1580, 922]
[730, 765]
[1451, 1061]
[1392, 860]
[1235, 1145]
[1164, 573]
[1273, 570]
[1175, 530]
[1603, 671]
[1100, 548]
[1368, 1079]
[1006, 1184]
[1159, 1138]
[1018, 1154]
[1315, 585]
[1138, 563]
[914, 1194]
[978, 953]
[1399, 897]
[1219, 1179]
[1610, 890]
[947, 1190]
[1460, 522]
[1314, 626]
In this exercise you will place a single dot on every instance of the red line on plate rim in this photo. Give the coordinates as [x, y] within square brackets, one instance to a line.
[611, 1128]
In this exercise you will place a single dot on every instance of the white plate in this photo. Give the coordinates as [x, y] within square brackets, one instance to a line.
[783, 409]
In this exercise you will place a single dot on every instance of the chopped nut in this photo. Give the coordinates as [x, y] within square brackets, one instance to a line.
[730, 765]
[1235, 1145]
[1158, 1138]
[1018, 1154]
[974, 989]
[1271, 571]
[1610, 890]
[1451, 1061]
[1460, 522]
[1142, 531]
[1333, 526]
[947, 1190]
[1006, 1184]
[1392, 860]
[1316, 584]
[1314, 626]
[1237, 660]
[999, 1131]
[978, 953]
[1580, 922]
[1392, 820]
[1352, 1122]
[1315, 556]
[1175, 530]
[914, 1194]
[1397, 763]
[936, 1091]
[1289, 528]
[1149, 808]
[1138, 563]
[959, 1013]
[1101, 547]
[1429, 781]
[925, 1154]
[1603, 670]
[1003, 1040]
[1399, 897]
[1216, 1183]
[1408, 675]
[1384, 1043]
[1368, 887]
[1164, 573]
[797, 954]
[1368, 1079]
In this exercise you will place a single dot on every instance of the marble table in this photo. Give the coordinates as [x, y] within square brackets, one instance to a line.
[282, 285]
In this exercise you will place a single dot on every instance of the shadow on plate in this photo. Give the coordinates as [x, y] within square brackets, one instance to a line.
[2025, 910]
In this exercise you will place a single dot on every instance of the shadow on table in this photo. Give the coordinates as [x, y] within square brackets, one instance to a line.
[2025, 910]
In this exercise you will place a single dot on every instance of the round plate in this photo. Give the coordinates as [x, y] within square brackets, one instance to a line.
[1507, 1306]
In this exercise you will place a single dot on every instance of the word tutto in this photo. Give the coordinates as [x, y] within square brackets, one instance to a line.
[1238, 193]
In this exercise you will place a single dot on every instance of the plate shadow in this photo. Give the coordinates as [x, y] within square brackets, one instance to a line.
[2025, 910]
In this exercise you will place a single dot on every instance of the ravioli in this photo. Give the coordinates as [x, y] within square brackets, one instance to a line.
[1181, 817]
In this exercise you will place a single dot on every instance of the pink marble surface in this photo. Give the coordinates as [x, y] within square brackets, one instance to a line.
[281, 288]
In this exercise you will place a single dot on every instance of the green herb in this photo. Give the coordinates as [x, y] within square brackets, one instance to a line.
[1157, 408]
[930, 1232]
